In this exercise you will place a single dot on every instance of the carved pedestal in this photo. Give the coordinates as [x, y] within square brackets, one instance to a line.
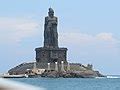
[51, 55]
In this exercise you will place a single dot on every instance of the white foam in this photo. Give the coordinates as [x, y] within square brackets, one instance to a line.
[112, 77]
[108, 77]
[100, 77]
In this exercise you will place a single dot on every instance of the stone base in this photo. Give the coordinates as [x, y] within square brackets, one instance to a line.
[51, 55]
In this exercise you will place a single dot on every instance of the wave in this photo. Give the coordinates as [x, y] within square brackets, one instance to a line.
[113, 77]
[100, 77]
[108, 77]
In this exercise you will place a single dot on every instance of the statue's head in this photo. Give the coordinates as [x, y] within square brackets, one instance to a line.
[51, 12]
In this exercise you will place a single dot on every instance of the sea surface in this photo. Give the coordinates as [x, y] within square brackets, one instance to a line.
[109, 83]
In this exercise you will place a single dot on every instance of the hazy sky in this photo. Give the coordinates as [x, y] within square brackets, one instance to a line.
[90, 29]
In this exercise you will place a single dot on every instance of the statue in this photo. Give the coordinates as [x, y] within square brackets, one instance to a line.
[51, 52]
[50, 30]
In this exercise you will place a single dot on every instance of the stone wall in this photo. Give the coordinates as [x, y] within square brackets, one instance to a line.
[51, 55]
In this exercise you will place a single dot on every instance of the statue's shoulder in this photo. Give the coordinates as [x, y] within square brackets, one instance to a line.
[55, 17]
[46, 17]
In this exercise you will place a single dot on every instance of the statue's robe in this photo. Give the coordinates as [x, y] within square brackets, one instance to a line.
[50, 32]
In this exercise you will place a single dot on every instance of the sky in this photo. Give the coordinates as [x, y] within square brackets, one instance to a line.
[90, 29]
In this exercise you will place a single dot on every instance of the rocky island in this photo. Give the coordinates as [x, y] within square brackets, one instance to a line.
[51, 60]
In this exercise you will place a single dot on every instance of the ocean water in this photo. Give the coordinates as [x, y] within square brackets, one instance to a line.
[109, 83]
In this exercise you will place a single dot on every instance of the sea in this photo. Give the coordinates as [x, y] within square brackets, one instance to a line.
[106, 83]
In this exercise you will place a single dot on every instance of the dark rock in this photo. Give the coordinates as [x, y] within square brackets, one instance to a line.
[99, 74]
[70, 74]
[50, 74]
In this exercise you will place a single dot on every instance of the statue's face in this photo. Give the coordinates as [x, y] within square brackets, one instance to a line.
[51, 14]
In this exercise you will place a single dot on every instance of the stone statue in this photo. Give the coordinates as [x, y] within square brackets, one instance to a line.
[50, 30]
[51, 52]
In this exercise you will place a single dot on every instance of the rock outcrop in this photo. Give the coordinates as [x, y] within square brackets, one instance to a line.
[71, 74]
[77, 70]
